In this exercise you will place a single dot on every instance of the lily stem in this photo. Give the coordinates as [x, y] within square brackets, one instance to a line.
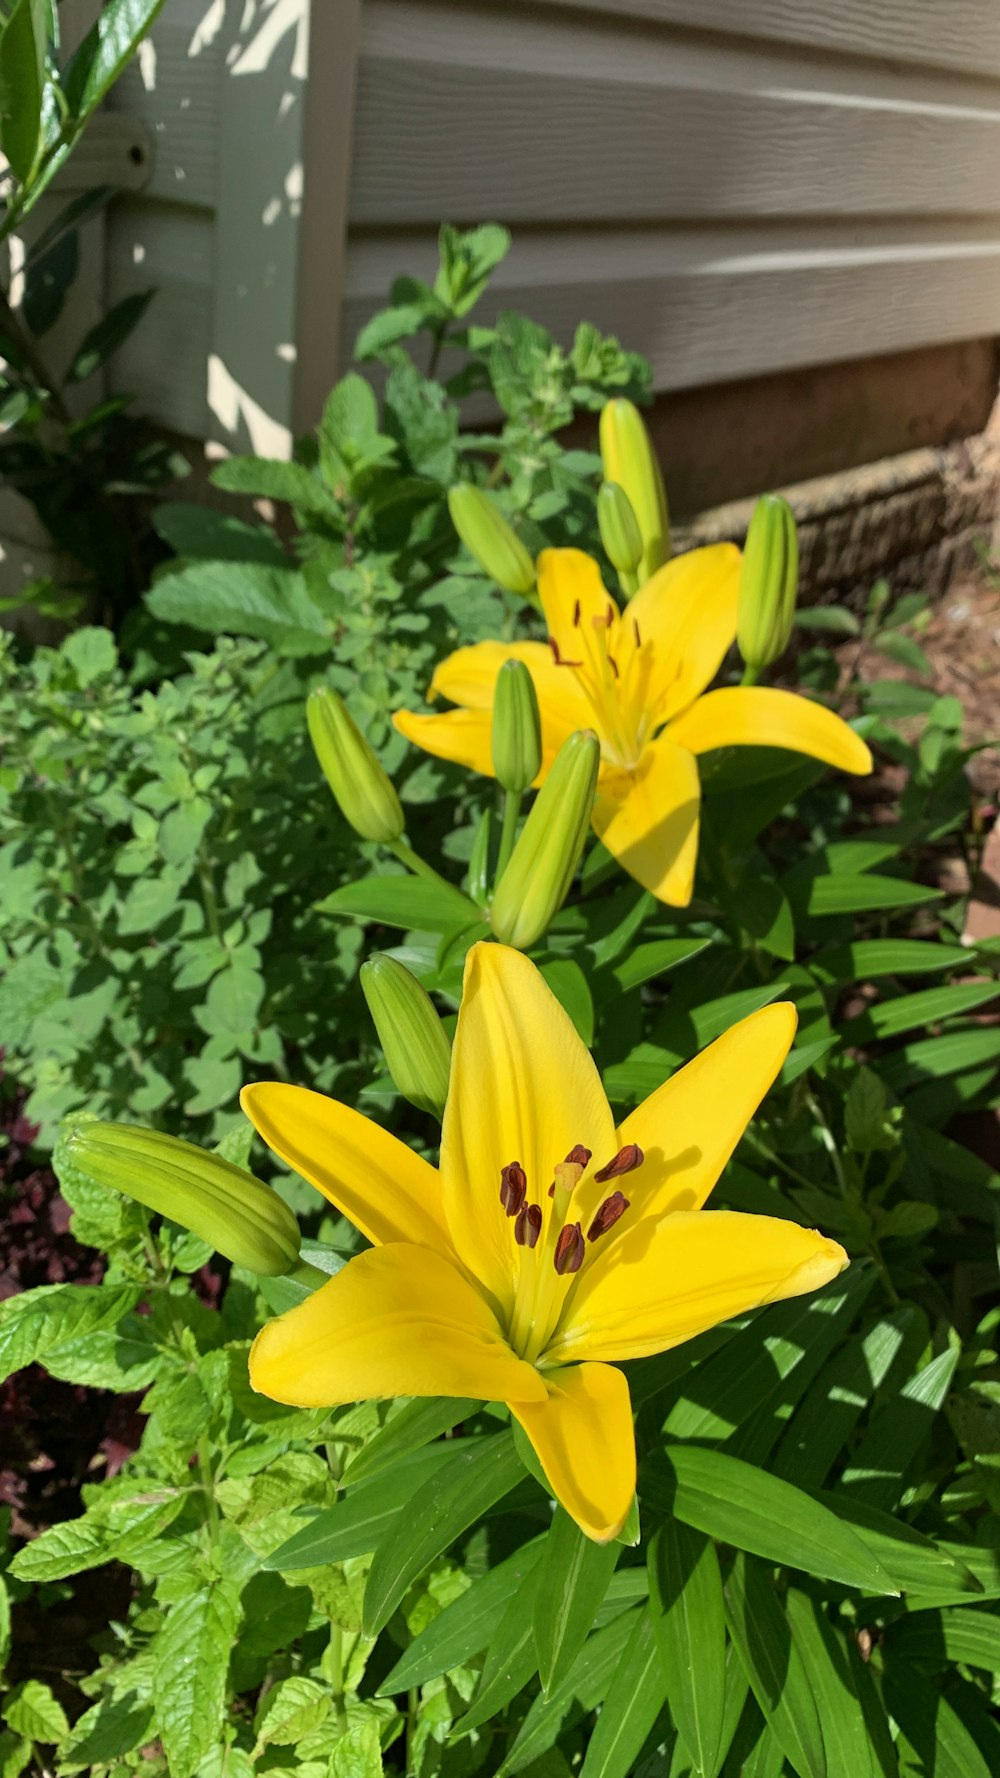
[415, 863]
[508, 829]
[750, 675]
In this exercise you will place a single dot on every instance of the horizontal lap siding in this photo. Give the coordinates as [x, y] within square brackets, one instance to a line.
[730, 200]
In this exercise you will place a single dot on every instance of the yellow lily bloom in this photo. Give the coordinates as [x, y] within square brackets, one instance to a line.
[638, 678]
[482, 1282]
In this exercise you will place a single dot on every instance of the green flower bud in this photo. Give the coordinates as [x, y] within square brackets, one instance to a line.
[479, 859]
[486, 535]
[367, 797]
[542, 865]
[244, 1220]
[414, 1041]
[629, 460]
[517, 728]
[768, 583]
[619, 528]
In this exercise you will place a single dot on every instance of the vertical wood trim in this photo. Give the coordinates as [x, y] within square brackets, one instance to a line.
[334, 43]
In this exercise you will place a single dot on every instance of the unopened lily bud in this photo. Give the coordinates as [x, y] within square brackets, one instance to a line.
[487, 536]
[244, 1220]
[619, 528]
[414, 1041]
[366, 795]
[630, 461]
[517, 728]
[768, 583]
[542, 865]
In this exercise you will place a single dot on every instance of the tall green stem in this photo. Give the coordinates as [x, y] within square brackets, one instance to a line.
[419, 866]
[508, 830]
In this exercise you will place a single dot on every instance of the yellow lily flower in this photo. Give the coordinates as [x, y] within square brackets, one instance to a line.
[547, 1244]
[638, 678]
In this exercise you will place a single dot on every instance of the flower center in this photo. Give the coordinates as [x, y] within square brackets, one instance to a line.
[613, 672]
[550, 1238]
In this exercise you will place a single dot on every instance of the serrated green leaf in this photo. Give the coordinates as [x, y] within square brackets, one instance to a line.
[190, 1661]
[40, 1321]
[243, 599]
[106, 1532]
[32, 1710]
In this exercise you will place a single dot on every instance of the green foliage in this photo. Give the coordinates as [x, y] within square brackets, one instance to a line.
[810, 1580]
[81, 466]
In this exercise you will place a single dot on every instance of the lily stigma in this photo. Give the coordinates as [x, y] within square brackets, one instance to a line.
[547, 1246]
[638, 678]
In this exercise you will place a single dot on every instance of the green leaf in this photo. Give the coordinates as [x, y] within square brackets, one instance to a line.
[22, 83]
[830, 1660]
[472, 1481]
[356, 1525]
[916, 1564]
[761, 1513]
[199, 531]
[40, 1322]
[466, 1625]
[630, 1707]
[773, 1666]
[822, 1425]
[410, 1429]
[108, 1531]
[243, 599]
[572, 990]
[586, 1683]
[108, 334]
[266, 478]
[897, 1432]
[863, 894]
[105, 51]
[292, 1709]
[190, 1661]
[410, 902]
[913, 1012]
[689, 1620]
[964, 1634]
[106, 1732]
[149, 902]
[938, 1057]
[645, 963]
[32, 1710]
[574, 1578]
[873, 957]
[510, 1660]
[933, 1738]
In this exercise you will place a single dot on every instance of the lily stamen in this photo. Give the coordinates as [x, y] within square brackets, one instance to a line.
[570, 1249]
[625, 1161]
[608, 1214]
[513, 1187]
[528, 1225]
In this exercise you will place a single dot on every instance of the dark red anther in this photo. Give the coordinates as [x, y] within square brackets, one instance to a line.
[635, 632]
[576, 615]
[613, 664]
[569, 1249]
[609, 615]
[557, 657]
[528, 1226]
[579, 1156]
[513, 1186]
[626, 1161]
[608, 1215]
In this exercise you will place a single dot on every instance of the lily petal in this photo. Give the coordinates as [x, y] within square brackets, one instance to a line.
[686, 616]
[572, 593]
[379, 1184]
[523, 1088]
[648, 818]
[463, 736]
[689, 1127]
[662, 1282]
[469, 677]
[584, 1440]
[397, 1320]
[758, 716]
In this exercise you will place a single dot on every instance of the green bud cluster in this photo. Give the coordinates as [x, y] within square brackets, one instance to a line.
[543, 863]
[487, 536]
[517, 728]
[630, 462]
